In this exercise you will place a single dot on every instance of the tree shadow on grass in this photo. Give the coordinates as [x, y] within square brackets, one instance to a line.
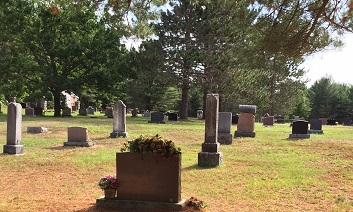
[195, 166]
[61, 147]
[98, 209]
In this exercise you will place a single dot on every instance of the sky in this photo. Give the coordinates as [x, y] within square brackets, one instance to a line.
[335, 63]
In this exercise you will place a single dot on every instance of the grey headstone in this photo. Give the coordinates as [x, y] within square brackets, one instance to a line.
[66, 112]
[13, 135]
[82, 112]
[224, 128]
[90, 110]
[315, 126]
[147, 114]
[119, 120]
[157, 117]
[199, 114]
[210, 155]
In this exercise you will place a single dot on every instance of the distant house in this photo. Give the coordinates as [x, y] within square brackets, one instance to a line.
[70, 99]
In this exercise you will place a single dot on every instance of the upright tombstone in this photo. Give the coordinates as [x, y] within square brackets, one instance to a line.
[315, 126]
[38, 111]
[78, 136]
[109, 112]
[210, 155]
[147, 114]
[90, 110]
[119, 120]
[323, 120]
[246, 122]
[199, 114]
[300, 129]
[44, 103]
[347, 121]
[13, 135]
[235, 119]
[268, 121]
[82, 112]
[134, 112]
[279, 119]
[224, 128]
[157, 117]
[29, 112]
[172, 117]
[66, 112]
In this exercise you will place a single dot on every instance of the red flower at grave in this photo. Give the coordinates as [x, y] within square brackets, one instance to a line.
[108, 181]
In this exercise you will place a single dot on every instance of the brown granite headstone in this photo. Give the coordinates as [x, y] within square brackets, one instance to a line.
[268, 121]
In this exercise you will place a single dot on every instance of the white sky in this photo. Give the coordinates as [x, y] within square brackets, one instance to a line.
[335, 63]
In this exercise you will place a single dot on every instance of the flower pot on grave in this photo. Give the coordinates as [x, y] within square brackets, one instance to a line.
[147, 177]
[110, 193]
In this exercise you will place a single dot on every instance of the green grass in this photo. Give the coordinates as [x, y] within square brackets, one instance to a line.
[269, 172]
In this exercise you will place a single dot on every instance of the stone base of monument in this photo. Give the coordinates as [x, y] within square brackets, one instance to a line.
[244, 134]
[132, 205]
[225, 138]
[118, 134]
[299, 135]
[81, 144]
[315, 132]
[210, 159]
[13, 149]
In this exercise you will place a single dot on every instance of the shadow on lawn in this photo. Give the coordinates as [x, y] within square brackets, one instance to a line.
[195, 166]
[97, 209]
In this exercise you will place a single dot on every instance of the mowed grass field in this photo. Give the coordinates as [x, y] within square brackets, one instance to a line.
[265, 173]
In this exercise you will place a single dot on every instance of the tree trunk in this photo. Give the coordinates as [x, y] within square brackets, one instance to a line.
[57, 105]
[205, 92]
[184, 102]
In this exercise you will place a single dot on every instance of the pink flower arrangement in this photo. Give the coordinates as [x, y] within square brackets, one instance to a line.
[108, 181]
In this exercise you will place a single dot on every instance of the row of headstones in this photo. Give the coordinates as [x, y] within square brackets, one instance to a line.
[77, 136]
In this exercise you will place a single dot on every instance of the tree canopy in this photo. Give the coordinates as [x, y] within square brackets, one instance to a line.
[60, 46]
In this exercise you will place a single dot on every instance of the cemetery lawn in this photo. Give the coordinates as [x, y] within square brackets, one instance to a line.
[265, 173]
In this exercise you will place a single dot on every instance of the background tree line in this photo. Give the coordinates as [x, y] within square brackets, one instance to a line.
[247, 51]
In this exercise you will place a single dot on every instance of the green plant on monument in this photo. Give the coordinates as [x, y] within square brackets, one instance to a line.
[155, 145]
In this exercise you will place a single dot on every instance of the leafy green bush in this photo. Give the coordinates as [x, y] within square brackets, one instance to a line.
[155, 145]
